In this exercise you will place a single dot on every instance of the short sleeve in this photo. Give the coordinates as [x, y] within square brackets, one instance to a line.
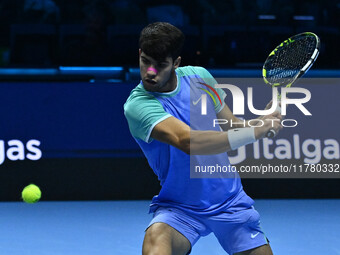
[210, 80]
[143, 113]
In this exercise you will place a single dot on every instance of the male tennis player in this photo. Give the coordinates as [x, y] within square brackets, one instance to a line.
[158, 114]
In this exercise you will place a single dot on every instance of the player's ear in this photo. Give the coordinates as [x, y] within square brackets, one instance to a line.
[177, 62]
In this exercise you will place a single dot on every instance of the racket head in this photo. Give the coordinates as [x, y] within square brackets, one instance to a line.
[291, 59]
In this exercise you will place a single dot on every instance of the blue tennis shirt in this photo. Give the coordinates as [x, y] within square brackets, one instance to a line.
[144, 110]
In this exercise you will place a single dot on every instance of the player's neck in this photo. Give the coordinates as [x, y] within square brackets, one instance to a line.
[172, 83]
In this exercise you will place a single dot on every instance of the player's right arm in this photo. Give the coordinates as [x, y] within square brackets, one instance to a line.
[178, 134]
[148, 120]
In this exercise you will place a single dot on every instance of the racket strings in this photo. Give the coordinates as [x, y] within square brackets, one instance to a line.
[289, 59]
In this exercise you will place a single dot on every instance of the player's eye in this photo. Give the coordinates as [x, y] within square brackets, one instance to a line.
[145, 61]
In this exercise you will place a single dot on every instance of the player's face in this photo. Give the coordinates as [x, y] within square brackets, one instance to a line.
[158, 76]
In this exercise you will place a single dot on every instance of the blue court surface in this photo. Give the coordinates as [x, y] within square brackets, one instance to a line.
[304, 227]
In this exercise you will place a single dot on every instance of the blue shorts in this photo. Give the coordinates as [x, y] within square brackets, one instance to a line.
[236, 231]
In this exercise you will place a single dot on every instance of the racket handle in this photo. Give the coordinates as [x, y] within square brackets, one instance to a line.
[278, 109]
[271, 133]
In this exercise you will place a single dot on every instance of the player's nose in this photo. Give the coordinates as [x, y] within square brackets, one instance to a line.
[151, 71]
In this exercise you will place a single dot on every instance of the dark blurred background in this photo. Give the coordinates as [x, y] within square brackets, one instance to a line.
[67, 67]
[220, 33]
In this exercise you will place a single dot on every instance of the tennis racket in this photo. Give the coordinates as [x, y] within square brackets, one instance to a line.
[290, 61]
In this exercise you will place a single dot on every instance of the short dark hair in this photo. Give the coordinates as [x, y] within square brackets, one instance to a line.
[160, 40]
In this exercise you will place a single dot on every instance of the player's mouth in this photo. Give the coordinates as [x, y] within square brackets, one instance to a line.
[151, 82]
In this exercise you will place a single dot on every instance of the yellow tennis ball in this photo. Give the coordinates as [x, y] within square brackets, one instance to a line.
[31, 194]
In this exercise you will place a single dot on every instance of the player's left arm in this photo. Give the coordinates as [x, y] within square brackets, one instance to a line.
[226, 116]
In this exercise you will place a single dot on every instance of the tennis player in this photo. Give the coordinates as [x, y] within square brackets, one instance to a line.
[158, 114]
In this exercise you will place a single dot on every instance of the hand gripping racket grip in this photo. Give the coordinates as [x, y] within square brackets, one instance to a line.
[271, 133]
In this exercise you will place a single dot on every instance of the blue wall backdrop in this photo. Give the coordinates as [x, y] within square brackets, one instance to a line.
[70, 119]
[69, 136]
